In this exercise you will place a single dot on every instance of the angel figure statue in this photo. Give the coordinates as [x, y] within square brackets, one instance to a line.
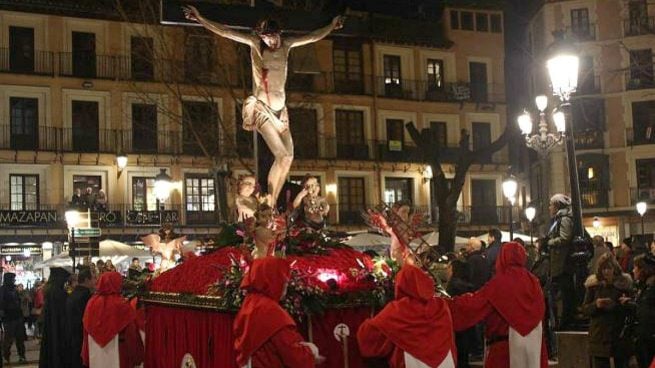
[268, 230]
[246, 201]
[312, 207]
[265, 110]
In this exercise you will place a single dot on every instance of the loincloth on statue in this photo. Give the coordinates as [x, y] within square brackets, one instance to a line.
[256, 114]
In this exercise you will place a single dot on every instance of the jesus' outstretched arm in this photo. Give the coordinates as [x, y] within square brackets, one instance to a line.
[318, 34]
[191, 13]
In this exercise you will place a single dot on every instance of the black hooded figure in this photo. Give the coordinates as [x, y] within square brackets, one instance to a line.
[55, 351]
[75, 306]
[12, 318]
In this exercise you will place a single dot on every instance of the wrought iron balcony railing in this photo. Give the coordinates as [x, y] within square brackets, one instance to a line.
[639, 26]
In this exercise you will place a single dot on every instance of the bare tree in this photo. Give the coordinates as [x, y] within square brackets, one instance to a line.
[447, 192]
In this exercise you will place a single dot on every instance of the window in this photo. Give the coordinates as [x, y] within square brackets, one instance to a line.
[142, 60]
[395, 134]
[440, 129]
[435, 74]
[586, 77]
[347, 59]
[580, 23]
[84, 54]
[398, 189]
[482, 22]
[483, 206]
[199, 127]
[478, 79]
[454, 19]
[305, 126]
[481, 137]
[85, 126]
[352, 200]
[144, 127]
[143, 194]
[646, 174]
[21, 49]
[643, 122]
[350, 134]
[638, 22]
[24, 115]
[82, 182]
[641, 69]
[593, 176]
[392, 77]
[24, 192]
[497, 24]
[199, 59]
[466, 19]
[200, 199]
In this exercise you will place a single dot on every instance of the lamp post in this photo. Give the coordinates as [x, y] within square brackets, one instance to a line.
[530, 213]
[642, 207]
[163, 184]
[562, 64]
[509, 190]
[72, 218]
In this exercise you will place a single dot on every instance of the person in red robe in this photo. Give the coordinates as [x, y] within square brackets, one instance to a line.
[414, 330]
[109, 320]
[512, 306]
[265, 335]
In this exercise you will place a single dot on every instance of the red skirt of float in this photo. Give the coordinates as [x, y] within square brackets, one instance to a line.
[181, 319]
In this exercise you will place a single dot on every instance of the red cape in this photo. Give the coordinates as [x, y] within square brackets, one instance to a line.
[514, 292]
[107, 313]
[416, 321]
[261, 315]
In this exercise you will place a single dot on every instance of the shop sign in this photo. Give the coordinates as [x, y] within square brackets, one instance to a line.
[12, 250]
[151, 217]
[609, 233]
[28, 218]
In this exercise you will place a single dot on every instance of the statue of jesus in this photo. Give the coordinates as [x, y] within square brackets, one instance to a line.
[266, 109]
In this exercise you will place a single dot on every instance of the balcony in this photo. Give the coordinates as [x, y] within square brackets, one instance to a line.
[589, 139]
[582, 32]
[642, 194]
[420, 90]
[639, 26]
[594, 195]
[642, 80]
[38, 63]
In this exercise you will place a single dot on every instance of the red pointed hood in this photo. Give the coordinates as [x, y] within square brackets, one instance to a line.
[261, 315]
[417, 312]
[514, 292]
[107, 313]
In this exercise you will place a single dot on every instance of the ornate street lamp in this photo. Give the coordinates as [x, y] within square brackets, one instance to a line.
[72, 219]
[542, 141]
[642, 207]
[510, 185]
[563, 63]
[530, 213]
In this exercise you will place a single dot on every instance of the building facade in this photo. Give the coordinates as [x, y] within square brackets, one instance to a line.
[78, 87]
[611, 111]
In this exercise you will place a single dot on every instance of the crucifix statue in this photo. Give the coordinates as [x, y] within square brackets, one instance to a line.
[265, 110]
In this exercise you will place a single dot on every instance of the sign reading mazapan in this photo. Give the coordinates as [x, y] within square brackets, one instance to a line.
[28, 218]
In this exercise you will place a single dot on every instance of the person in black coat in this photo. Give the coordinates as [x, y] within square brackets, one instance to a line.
[75, 306]
[12, 318]
[458, 284]
[55, 350]
[480, 272]
[643, 306]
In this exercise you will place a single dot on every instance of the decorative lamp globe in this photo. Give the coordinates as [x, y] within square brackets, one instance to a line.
[525, 123]
[163, 185]
[530, 213]
[510, 185]
[642, 207]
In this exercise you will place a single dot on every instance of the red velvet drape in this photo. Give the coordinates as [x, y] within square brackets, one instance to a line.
[207, 336]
